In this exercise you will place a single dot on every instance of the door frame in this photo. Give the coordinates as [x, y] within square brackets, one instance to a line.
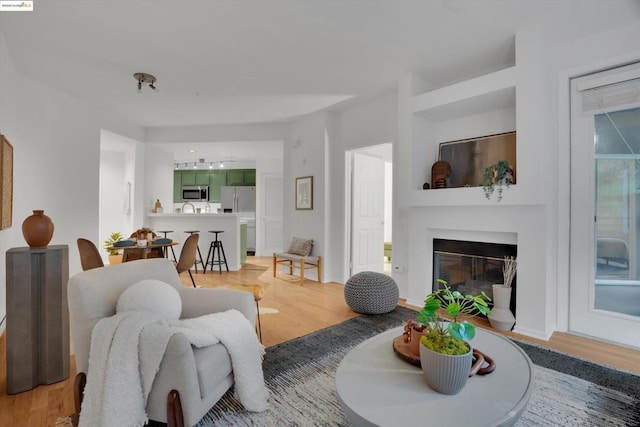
[582, 316]
[562, 197]
[348, 200]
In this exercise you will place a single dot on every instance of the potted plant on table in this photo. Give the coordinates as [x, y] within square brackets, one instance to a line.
[501, 316]
[445, 355]
[497, 175]
[115, 255]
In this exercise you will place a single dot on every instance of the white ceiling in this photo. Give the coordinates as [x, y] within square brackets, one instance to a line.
[257, 61]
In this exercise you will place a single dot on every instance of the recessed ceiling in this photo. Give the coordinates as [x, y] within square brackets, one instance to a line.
[257, 61]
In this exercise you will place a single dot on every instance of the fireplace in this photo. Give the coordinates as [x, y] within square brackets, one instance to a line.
[471, 267]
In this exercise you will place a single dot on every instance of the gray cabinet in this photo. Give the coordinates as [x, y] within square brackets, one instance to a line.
[37, 317]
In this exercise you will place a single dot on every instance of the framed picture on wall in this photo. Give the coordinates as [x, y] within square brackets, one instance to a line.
[6, 182]
[304, 193]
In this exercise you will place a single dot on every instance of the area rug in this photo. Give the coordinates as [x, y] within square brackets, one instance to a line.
[300, 375]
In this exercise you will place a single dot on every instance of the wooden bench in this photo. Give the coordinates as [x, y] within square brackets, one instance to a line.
[302, 263]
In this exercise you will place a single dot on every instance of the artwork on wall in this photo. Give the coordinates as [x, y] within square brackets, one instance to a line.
[469, 157]
[304, 192]
[6, 182]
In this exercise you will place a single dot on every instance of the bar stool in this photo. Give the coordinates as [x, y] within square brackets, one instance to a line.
[199, 257]
[216, 245]
[165, 249]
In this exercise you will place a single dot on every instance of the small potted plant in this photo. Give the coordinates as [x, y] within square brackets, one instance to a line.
[497, 175]
[444, 347]
[501, 316]
[115, 255]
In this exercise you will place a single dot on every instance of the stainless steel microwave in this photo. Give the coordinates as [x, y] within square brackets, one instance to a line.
[195, 193]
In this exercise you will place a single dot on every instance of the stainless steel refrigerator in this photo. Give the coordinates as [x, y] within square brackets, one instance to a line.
[238, 199]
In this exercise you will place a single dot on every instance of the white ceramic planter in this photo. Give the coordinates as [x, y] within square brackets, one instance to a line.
[444, 373]
[501, 317]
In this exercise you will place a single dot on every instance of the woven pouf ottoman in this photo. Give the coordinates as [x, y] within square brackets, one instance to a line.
[369, 292]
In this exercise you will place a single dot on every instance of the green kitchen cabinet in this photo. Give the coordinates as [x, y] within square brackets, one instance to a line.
[250, 177]
[235, 177]
[241, 177]
[217, 180]
[195, 177]
[188, 177]
[177, 186]
[202, 177]
[191, 177]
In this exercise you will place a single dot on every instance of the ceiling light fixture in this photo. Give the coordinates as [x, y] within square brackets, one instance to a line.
[221, 164]
[210, 165]
[144, 78]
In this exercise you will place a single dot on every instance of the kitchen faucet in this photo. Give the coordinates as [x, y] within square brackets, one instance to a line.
[193, 209]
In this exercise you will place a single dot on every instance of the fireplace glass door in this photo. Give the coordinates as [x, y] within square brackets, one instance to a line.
[472, 267]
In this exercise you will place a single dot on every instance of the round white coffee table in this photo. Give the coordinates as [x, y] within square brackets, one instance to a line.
[377, 388]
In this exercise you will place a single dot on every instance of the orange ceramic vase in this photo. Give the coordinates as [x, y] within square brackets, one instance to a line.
[37, 229]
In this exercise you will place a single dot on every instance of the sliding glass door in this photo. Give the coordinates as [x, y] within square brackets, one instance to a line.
[605, 205]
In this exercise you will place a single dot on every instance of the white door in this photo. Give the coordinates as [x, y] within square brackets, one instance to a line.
[270, 233]
[605, 206]
[367, 212]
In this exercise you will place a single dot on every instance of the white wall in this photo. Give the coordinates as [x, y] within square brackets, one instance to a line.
[388, 201]
[112, 188]
[56, 140]
[304, 155]
[122, 182]
[371, 122]
[577, 57]
[534, 213]
[158, 177]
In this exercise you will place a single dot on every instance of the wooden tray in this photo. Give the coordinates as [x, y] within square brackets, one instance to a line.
[402, 350]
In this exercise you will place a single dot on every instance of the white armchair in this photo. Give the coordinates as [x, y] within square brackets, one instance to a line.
[190, 380]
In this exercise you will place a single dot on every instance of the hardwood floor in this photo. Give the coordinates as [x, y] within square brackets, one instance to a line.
[300, 310]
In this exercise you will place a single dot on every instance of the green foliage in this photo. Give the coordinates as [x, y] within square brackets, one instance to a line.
[454, 304]
[444, 344]
[115, 237]
[496, 175]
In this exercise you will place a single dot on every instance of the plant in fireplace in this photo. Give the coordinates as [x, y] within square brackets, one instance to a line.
[501, 316]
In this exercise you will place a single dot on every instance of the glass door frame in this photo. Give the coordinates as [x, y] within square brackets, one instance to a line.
[584, 318]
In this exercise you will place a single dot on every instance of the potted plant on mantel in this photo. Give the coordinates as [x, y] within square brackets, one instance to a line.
[444, 346]
[115, 255]
[501, 316]
[497, 175]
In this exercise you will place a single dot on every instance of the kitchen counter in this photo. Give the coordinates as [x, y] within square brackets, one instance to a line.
[204, 222]
[208, 215]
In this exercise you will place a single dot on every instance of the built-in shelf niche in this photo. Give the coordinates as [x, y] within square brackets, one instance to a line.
[476, 107]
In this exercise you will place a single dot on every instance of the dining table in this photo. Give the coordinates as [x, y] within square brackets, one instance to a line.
[134, 251]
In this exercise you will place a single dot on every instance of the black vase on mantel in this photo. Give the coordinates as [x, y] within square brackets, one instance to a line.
[37, 229]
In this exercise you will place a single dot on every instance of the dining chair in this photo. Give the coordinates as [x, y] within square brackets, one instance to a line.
[89, 255]
[188, 256]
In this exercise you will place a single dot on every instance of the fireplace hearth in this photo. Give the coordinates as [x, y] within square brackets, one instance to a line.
[471, 267]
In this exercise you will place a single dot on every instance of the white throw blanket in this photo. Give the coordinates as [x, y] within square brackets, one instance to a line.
[119, 378]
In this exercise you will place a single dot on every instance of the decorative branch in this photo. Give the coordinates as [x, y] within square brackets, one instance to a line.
[509, 270]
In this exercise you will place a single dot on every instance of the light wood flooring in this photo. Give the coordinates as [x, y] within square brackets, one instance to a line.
[300, 310]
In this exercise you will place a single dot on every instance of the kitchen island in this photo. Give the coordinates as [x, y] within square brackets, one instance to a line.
[204, 222]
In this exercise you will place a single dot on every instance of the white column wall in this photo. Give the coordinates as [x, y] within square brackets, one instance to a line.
[304, 155]
[56, 141]
[369, 123]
